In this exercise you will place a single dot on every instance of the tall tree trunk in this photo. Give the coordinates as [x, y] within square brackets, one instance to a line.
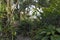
[9, 13]
[10, 17]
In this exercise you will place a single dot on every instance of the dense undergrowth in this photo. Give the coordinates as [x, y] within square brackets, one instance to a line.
[14, 22]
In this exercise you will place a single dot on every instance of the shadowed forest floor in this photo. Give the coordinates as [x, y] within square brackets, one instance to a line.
[20, 37]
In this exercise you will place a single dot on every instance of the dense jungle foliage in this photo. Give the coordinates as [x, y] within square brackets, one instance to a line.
[37, 19]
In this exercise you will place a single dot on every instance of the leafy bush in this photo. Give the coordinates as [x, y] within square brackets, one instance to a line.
[47, 33]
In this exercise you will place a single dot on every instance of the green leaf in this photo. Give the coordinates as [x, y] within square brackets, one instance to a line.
[58, 30]
[55, 37]
[52, 38]
[0, 28]
[45, 38]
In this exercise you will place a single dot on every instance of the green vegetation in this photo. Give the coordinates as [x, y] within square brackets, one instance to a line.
[40, 20]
